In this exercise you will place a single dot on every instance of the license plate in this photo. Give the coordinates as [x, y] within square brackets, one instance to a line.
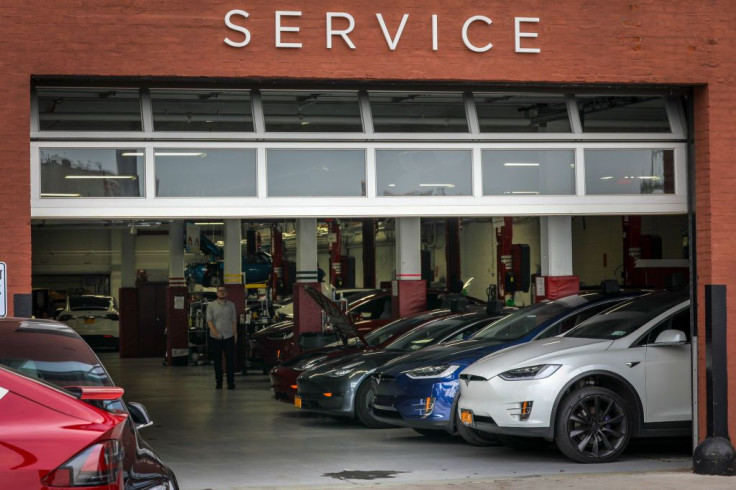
[298, 401]
[89, 321]
[466, 417]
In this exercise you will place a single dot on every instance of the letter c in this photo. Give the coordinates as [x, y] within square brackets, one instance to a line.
[467, 43]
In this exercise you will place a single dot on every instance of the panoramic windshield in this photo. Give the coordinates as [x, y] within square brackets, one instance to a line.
[51, 353]
[89, 303]
[387, 332]
[426, 334]
[521, 322]
[625, 318]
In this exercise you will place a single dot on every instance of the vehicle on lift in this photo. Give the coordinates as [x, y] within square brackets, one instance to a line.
[342, 386]
[621, 374]
[420, 390]
[64, 423]
[284, 376]
[95, 318]
[257, 269]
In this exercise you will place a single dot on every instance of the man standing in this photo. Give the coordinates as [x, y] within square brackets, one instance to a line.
[222, 322]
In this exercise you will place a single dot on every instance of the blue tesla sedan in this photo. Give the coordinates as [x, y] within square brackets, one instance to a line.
[420, 389]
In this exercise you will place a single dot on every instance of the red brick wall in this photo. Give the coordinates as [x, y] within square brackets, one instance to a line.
[679, 42]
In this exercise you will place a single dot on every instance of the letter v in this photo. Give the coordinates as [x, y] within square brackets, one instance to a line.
[392, 43]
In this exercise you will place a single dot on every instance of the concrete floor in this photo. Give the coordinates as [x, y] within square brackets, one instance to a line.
[220, 439]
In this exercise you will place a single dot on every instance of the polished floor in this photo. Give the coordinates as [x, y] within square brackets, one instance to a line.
[220, 439]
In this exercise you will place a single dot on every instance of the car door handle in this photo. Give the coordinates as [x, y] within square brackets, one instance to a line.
[631, 364]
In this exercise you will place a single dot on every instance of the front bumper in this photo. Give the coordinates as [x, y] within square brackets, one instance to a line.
[283, 383]
[419, 404]
[327, 396]
[496, 404]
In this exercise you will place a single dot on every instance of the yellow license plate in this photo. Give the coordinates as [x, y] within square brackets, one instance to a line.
[298, 402]
[89, 321]
[466, 417]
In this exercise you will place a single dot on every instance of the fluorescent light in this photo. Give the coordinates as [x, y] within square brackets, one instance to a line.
[51, 194]
[607, 177]
[648, 177]
[132, 154]
[437, 185]
[392, 185]
[524, 192]
[219, 223]
[520, 164]
[180, 154]
[122, 177]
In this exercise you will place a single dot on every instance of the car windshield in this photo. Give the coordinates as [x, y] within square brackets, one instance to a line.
[521, 322]
[426, 334]
[390, 330]
[89, 303]
[51, 353]
[625, 318]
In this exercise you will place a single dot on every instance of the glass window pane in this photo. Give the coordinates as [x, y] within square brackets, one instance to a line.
[333, 112]
[418, 113]
[519, 172]
[89, 110]
[423, 173]
[192, 172]
[312, 173]
[201, 110]
[630, 171]
[91, 172]
[499, 113]
[623, 114]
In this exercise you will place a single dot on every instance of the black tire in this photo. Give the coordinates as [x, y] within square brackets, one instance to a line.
[593, 425]
[363, 401]
[215, 281]
[520, 443]
[432, 433]
[476, 437]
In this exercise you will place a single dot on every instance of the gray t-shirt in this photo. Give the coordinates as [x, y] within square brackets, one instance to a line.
[222, 316]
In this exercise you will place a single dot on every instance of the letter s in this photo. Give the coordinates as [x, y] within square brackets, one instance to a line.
[237, 28]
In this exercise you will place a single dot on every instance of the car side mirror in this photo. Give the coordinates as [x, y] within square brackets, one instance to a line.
[671, 337]
[139, 415]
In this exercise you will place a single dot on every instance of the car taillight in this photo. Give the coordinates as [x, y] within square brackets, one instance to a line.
[98, 464]
[112, 316]
[65, 318]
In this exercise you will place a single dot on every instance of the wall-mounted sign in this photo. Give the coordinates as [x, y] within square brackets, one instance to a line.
[3, 291]
[339, 26]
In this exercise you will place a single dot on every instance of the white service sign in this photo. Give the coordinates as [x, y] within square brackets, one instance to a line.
[3, 291]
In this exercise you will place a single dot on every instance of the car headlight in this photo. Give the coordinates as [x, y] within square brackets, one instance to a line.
[439, 371]
[305, 364]
[344, 370]
[540, 371]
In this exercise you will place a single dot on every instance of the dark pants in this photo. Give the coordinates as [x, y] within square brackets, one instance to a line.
[226, 346]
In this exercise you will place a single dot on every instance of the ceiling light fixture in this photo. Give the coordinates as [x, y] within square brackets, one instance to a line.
[520, 164]
[180, 154]
[437, 185]
[118, 177]
[52, 194]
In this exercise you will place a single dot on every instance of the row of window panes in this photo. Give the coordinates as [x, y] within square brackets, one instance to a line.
[339, 112]
[119, 172]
